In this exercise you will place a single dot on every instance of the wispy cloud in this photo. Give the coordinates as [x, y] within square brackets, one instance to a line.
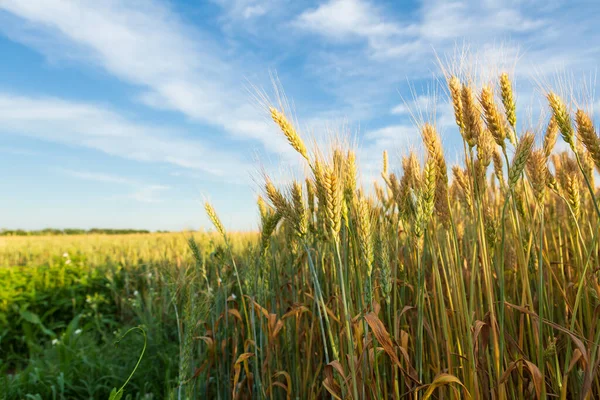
[138, 191]
[97, 177]
[102, 129]
[441, 20]
[436, 23]
[422, 102]
[245, 9]
[368, 52]
[345, 20]
[178, 67]
[392, 136]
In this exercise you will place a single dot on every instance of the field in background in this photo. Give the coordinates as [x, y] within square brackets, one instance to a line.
[67, 299]
[479, 280]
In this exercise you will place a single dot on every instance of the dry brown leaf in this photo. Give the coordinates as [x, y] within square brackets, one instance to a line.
[237, 368]
[442, 380]
[536, 375]
[288, 387]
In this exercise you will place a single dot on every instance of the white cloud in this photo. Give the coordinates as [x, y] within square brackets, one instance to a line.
[144, 43]
[392, 136]
[449, 20]
[539, 38]
[342, 19]
[97, 177]
[139, 191]
[254, 11]
[99, 128]
[436, 23]
[422, 102]
[245, 9]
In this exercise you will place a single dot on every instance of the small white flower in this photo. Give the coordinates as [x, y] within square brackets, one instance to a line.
[68, 262]
[65, 255]
[220, 280]
[78, 331]
[149, 275]
[54, 342]
[135, 293]
[233, 296]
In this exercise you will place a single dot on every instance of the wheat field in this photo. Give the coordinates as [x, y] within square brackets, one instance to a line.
[478, 280]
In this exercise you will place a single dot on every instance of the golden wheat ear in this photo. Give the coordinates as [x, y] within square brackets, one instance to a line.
[498, 165]
[464, 186]
[276, 198]
[572, 188]
[550, 137]
[520, 159]
[563, 119]
[455, 88]
[350, 175]
[298, 210]
[333, 198]
[212, 215]
[493, 119]
[384, 170]
[471, 116]
[269, 225]
[587, 135]
[262, 207]
[508, 100]
[364, 222]
[289, 131]
[429, 181]
[537, 172]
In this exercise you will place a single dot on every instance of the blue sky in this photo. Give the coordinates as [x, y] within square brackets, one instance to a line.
[127, 114]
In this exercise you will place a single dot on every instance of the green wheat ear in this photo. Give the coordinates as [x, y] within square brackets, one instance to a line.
[118, 394]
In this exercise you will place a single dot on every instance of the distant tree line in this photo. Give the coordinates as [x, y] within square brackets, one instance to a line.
[52, 231]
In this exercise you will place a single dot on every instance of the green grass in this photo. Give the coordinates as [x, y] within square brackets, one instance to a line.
[65, 301]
